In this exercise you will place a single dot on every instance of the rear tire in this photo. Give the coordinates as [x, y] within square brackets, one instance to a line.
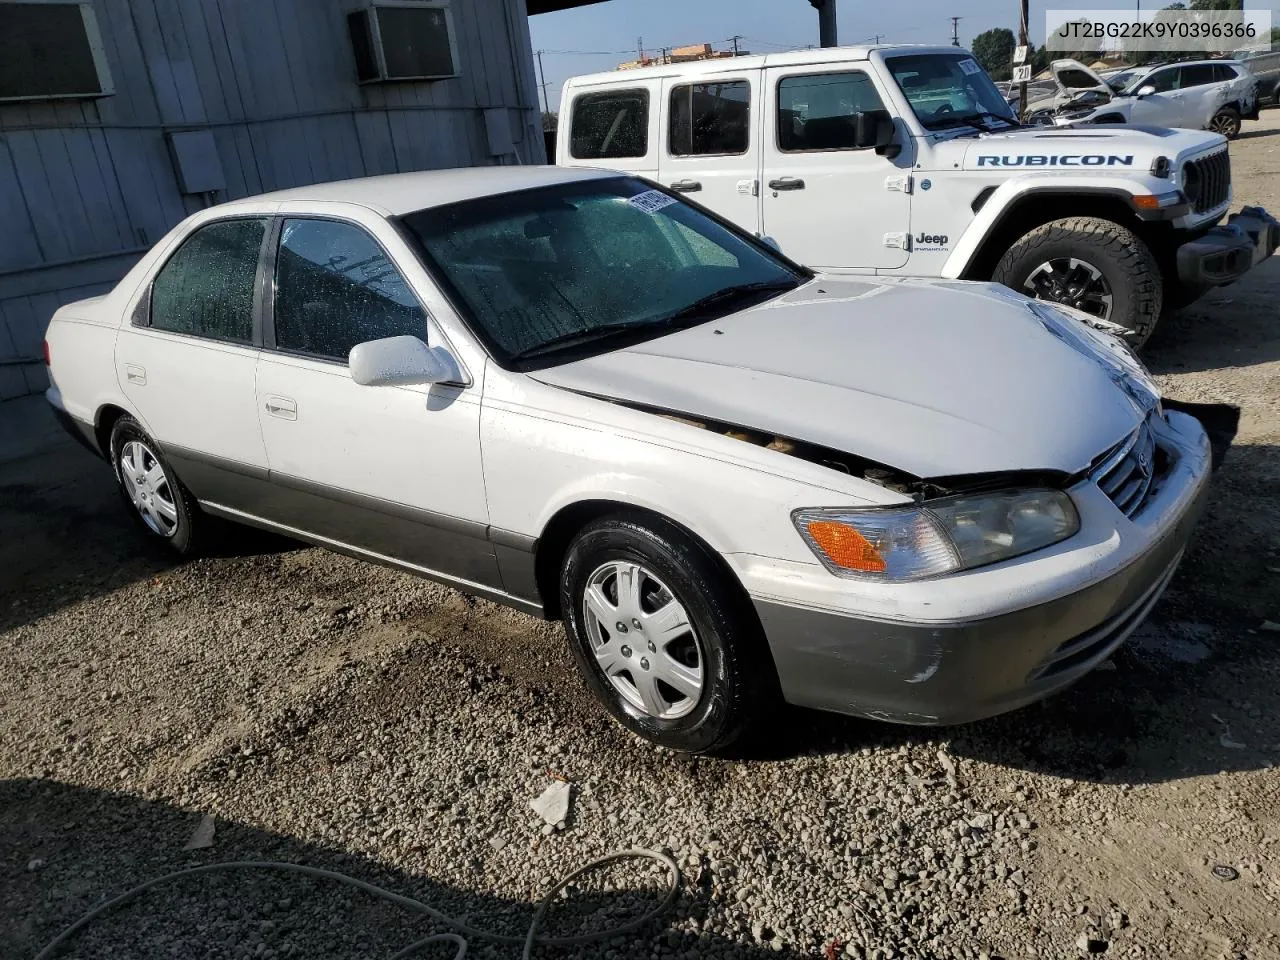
[1226, 122]
[686, 622]
[152, 492]
[1092, 264]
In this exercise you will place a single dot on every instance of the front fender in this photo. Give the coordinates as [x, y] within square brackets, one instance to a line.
[1013, 192]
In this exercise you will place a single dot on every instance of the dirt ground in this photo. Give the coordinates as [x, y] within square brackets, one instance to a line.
[334, 713]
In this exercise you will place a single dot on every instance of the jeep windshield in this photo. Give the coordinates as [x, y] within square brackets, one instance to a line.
[947, 91]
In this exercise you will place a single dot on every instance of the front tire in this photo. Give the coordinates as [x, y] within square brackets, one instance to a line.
[663, 636]
[1094, 265]
[154, 495]
[1226, 122]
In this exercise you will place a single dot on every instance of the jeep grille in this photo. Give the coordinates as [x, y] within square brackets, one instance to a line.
[1207, 181]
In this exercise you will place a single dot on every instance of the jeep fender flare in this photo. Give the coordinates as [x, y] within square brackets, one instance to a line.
[1013, 192]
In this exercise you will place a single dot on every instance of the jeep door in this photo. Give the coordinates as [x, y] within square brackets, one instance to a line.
[710, 149]
[828, 203]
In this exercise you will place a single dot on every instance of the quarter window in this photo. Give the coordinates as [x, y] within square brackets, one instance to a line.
[610, 125]
[818, 111]
[206, 288]
[710, 118]
[336, 287]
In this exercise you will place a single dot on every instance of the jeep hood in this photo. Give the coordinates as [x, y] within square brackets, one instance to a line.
[935, 378]
[1117, 149]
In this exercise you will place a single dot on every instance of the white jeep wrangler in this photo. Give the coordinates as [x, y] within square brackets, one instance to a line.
[907, 160]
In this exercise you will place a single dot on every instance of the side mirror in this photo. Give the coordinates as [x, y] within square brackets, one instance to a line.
[874, 128]
[1146, 91]
[400, 361]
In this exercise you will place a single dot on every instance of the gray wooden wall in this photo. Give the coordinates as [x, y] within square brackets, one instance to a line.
[87, 186]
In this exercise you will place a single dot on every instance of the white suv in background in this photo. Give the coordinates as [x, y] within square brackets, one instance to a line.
[1197, 95]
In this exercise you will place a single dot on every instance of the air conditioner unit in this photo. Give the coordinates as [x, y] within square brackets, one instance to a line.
[404, 40]
[51, 51]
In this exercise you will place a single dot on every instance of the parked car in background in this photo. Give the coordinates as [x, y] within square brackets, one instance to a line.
[1211, 95]
[573, 393]
[907, 160]
[1265, 66]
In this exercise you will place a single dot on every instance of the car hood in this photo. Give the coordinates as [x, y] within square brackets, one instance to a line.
[1072, 77]
[935, 378]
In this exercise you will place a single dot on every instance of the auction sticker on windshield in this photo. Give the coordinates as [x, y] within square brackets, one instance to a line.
[970, 66]
[651, 201]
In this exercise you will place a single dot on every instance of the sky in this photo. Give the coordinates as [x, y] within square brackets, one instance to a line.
[602, 35]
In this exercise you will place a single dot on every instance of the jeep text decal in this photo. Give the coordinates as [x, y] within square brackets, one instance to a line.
[1066, 160]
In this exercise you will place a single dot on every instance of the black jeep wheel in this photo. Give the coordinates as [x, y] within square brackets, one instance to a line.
[1091, 264]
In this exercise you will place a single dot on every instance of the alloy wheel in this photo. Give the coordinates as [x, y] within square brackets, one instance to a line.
[1225, 124]
[148, 488]
[1073, 283]
[642, 640]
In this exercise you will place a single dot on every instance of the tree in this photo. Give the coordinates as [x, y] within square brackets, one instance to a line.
[994, 50]
[550, 121]
[1215, 5]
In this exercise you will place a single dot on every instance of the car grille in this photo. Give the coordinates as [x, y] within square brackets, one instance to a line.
[1126, 471]
[1207, 181]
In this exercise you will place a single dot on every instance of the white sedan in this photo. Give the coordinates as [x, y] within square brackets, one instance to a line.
[575, 393]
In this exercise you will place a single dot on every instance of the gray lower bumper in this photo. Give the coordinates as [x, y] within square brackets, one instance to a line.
[1226, 253]
[955, 673]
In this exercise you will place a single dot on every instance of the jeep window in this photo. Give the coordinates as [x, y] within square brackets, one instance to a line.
[947, 91]
[610, 124]
[710, 118]
[816, 111]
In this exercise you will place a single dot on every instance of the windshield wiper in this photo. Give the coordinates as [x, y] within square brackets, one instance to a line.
[737, 292]
[972, 120]
[693, 312]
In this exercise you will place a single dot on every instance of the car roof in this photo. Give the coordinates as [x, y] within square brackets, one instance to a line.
[396, 194]
[788, 58]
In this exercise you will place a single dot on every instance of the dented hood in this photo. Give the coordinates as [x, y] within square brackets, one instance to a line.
[933, 378]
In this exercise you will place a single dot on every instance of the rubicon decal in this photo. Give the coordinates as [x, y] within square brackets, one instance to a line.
[1061, 160]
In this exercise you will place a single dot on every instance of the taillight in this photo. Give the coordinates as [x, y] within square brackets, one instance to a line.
[48, 362]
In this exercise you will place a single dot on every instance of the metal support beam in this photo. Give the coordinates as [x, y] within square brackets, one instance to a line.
[826, 22]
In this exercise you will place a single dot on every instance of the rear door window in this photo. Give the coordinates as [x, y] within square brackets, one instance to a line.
[206, 288]
[1198, 75]
[609, 124]
[710, 118]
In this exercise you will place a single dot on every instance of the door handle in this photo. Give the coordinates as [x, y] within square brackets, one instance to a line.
[135, 374]
[787, 183]
[686, 186]
[282, 407]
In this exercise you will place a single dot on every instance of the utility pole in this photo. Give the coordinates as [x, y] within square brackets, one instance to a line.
[734, 40]
[826, 22]
[542, 77]
[1022, 39]
[955, 31]
[640, 48]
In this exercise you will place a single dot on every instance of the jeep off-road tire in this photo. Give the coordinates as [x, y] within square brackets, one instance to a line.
[1054, 261]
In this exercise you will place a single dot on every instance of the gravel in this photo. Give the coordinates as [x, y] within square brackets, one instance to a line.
[328, 712]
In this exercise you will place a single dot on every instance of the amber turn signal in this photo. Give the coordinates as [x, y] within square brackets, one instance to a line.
[845, 546]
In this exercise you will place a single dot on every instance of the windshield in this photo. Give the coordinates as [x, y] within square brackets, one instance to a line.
[948, 90]
[551, 274]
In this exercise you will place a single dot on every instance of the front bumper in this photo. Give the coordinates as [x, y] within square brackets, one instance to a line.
[1227, 252]
[956, 672]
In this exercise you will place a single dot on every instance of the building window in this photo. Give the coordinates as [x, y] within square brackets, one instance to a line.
[710, 118]
[51, 51]
[610, 124]
[406, 40]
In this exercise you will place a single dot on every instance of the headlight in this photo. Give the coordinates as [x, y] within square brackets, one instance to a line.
[942, 536]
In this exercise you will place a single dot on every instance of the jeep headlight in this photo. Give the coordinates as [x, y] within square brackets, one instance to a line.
[940, 536]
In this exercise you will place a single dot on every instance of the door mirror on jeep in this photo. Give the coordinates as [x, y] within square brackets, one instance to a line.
[401, 361]
[1146, 91]
[872, 128]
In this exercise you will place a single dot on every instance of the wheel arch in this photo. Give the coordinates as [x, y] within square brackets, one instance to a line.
[104, 420]
[1035, 208]
[553, 545]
